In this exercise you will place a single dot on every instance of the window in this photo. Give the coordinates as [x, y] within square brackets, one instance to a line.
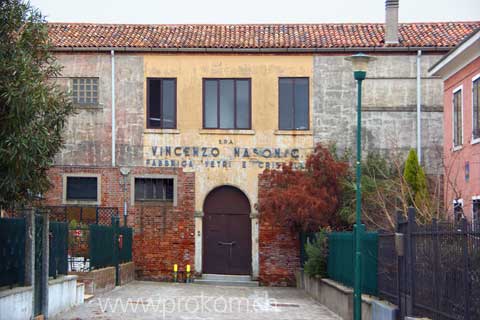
[226, 104]
[82, 189]
[457, 118]
[458, 210]
[476, 214]
[161, 103]
[293, 104]
[476, 108]
[154, 189]
[85, 91]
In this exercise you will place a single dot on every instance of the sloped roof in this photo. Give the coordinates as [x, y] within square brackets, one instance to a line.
[255, 36]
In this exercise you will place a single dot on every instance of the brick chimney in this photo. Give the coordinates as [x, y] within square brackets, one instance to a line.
[391, 21]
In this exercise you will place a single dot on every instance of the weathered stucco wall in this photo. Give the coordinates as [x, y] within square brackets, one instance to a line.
[389, 106]
[88, 133]
[264, 72]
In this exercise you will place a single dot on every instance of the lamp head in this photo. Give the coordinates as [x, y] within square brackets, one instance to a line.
[359, 64]
[124, 171]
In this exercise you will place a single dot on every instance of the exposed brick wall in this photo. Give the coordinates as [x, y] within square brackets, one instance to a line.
[163, 235]
[279, 251]
[97, 281]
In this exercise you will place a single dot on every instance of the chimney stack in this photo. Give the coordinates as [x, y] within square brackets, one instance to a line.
[391, 21]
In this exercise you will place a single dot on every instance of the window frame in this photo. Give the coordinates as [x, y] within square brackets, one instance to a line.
[460, 145]
[134, 202]
[175, 100]
[90, 104]
[65, 177]
[293, 98]
[475, 139]
[249, 80]
[475, 223]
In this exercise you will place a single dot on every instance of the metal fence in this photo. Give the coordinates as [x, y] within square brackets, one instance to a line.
[341, 247]
[84, 215]
[433, 271]
[12, 251]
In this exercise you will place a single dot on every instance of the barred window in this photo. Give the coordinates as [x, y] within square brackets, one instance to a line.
[457, 118]
[85, 91]
[154, 189]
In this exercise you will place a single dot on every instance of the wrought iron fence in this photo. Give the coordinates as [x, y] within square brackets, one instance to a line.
[438, 276]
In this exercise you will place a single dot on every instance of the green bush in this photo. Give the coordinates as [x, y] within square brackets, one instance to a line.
[317, 252]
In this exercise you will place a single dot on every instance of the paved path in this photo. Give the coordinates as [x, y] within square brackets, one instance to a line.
[155, 300]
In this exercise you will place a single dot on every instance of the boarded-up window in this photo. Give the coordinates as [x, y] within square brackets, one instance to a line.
[293, 95]
[85, 91]
[161, 103]
[154, 189]
[226, 104]
[82, 188]
[457, 118]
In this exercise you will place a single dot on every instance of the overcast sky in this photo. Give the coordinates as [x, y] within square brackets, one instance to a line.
[252, 11]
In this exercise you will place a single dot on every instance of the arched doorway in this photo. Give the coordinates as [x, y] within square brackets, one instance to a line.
[227, 234]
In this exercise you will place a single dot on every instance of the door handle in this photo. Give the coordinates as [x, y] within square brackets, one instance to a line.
[221, 243]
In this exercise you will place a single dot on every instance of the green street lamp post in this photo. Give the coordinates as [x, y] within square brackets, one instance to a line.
[359, 63]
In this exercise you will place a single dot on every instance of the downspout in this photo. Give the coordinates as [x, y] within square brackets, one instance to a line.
[112, 54]
[419, 107]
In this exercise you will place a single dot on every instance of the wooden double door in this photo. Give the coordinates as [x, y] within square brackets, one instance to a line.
[227, 232]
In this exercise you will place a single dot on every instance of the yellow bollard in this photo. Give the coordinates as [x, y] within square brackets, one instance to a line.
[188, 273]
[175, 272]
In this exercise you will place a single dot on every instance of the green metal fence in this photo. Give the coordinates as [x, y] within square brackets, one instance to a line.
[341, 249]
[12, 251]
[101, 246]
[58, 259]
[125, 245]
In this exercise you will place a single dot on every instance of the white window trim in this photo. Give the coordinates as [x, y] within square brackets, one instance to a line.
[460, 146]
[473, 217]
[153, 176]
[477, 140]
[82, 202]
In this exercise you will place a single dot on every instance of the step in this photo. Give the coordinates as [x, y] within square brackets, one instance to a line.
[226, 280]
[225, 277]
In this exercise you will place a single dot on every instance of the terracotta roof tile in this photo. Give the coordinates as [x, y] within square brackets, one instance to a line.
[255, 36]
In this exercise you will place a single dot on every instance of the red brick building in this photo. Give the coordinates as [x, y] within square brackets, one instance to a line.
[460, 71]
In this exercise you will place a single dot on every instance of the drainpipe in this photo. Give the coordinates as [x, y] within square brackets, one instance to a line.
[419, 107]
[112, 54]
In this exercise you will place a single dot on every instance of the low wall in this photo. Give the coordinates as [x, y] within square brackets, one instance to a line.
[16, 303]
[102, 280]
[97, 281]
[63, 294]
[339, 299]
[127, 273]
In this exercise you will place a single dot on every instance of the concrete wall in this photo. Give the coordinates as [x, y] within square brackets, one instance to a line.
[97, 281]
[63, 294]
[16, 304]
[389, 104]
[127, 273]
[339, 299]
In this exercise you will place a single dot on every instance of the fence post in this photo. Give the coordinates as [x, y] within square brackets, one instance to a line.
[30, 251]
[45, 258]
[410, 261]
[466, 284]
[96, 215]
[397, 229]
[436, 253]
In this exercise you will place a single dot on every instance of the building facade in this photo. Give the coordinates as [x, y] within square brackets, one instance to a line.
[460, 71]
[175, 124]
